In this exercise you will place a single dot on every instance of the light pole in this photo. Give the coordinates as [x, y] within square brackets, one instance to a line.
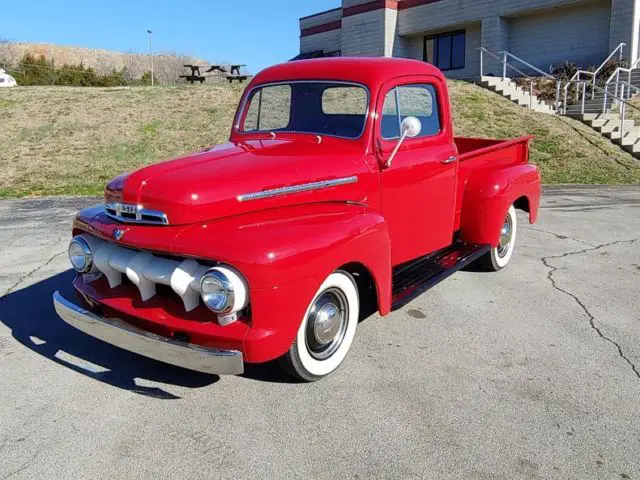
[151, 54]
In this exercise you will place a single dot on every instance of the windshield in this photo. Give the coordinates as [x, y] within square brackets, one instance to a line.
[321, 108]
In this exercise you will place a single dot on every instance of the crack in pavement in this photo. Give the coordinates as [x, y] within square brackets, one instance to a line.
[552, 270]
[558, 236]
[21, 467]
[27, 275]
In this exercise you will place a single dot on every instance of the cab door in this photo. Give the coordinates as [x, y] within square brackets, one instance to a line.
[418, 188]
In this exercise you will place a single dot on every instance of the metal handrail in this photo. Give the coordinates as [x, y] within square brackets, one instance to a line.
[616, 97]
[576, 76]
[506, 64]
[619, 47]
[527, 64]
[623, 103]
[491, 54]
[594, 74]
[629, 86]
[620, 70]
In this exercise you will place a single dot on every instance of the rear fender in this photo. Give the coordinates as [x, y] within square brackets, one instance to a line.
[489, 194]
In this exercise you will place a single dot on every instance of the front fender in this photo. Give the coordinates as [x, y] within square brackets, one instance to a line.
[489, 194]
[281, 246]
[286, 254]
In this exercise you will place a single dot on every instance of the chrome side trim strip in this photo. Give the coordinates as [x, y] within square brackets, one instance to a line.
[303, 187]
[118, 333]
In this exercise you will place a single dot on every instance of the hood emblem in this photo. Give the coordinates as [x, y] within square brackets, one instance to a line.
[118, 233]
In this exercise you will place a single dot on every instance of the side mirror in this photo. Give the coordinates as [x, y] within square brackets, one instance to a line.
[411, 127]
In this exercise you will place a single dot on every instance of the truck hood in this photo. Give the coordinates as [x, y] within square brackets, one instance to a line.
[214, 184]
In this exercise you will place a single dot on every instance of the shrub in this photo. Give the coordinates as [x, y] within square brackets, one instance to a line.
[609, 68]
[545, 89]
[33, 70]
[146, 79]
[564, 71]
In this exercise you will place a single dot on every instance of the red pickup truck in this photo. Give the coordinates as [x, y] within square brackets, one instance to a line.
[342, 191]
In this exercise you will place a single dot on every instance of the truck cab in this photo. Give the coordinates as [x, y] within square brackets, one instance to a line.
[342, 191]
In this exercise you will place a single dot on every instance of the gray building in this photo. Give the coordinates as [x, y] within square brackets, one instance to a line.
[448, 33]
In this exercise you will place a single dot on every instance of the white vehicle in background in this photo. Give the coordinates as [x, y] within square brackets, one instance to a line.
[7, 80]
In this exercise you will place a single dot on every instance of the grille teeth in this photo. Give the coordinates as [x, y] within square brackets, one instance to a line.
[146, 271]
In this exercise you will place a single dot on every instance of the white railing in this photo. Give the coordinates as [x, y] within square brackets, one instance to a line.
[616, 75]
[505, 60]
[582, 92]
[619, 50]
[504, 56]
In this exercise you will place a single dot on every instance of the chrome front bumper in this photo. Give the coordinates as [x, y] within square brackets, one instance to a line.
[127, 337]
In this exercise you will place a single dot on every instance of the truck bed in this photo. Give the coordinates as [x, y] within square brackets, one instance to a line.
[478, 154]
[471, 148]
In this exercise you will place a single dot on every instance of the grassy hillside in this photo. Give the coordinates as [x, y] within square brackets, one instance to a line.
[57, 140]
[167, 67]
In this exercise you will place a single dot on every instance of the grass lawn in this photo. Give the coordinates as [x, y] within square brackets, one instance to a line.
[71, 141]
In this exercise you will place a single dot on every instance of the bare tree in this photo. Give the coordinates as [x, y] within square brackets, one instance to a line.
[170, 66]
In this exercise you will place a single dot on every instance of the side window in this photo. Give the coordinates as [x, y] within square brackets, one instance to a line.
[418, 101]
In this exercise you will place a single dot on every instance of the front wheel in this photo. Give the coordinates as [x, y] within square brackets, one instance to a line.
[499, 256]
[326, 331]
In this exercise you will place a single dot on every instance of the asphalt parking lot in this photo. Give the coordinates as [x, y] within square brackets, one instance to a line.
[533, 372]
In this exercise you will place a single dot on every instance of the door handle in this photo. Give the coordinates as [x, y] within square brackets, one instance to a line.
[451, 159]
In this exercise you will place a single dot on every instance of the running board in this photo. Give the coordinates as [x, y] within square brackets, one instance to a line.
[413, 278]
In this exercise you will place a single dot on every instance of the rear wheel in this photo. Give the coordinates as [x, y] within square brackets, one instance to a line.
[327, 330]
[499, 256]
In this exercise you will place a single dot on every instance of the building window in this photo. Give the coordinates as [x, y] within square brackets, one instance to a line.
[446, 51]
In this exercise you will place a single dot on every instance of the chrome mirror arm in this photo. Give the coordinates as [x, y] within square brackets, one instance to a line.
[395, 150]
[411, 127]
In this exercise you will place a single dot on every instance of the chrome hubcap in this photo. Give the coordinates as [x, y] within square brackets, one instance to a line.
[506, 235]
[327, 323]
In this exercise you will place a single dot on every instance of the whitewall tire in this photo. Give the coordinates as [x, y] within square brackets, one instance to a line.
[326, 331]
[499, 256]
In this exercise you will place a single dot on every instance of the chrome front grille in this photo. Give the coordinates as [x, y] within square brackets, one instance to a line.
[147, 271]
[128, 213]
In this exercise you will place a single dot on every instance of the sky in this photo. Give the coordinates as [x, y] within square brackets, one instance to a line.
[258, 33]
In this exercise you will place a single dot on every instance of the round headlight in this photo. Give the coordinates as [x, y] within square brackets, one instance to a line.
[80, 255]
[217, 291]
[223, 290]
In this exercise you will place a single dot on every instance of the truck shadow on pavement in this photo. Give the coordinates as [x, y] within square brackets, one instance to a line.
[30, 315]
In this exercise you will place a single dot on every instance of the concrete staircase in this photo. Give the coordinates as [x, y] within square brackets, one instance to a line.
[600, 113]
[609, 123]
[509, 89]
[594, 103]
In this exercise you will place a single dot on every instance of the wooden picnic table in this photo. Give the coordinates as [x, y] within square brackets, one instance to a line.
[198, 76]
